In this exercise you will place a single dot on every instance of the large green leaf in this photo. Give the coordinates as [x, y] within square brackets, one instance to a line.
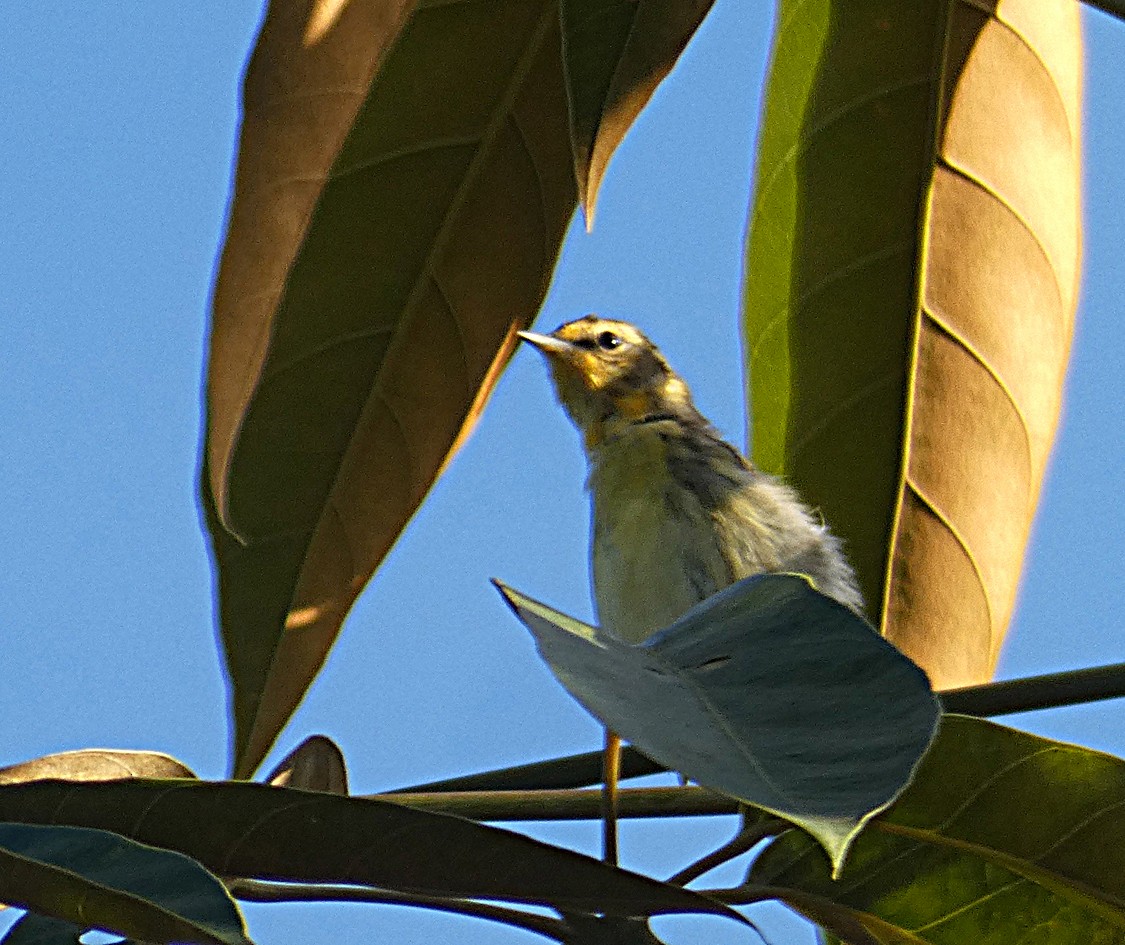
[768, 691]
[1003, 838]
[616, 52]
[911, 284]
[349, 356]
[255, 831]
[97, 879]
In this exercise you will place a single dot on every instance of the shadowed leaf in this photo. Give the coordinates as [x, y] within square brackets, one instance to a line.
[255, 831]
[616, 52]
[1002, 837]
[100, 880]
[96, 764]
[317, 764]
[34, 929]
[769, 692]
[349, 360]
[911, 285]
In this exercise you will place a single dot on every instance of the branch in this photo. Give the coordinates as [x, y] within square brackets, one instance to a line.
[1037, 692]
[573, 771]
[999, 698]
[250, 890]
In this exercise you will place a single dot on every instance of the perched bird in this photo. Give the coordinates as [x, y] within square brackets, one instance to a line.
[678, 513]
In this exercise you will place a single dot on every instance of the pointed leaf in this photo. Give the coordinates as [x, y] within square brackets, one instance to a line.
[96, 764]
[1002, 837]
[306, 79]
[256, 831]
[317, 764]
[769, 691]
[344, 373]
[616, 52]
[100, 880]
[910, 293]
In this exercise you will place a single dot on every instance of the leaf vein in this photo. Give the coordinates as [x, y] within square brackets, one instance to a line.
[932, 506]
[831, 118]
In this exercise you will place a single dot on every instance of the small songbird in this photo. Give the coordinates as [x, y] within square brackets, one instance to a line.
[678, 513]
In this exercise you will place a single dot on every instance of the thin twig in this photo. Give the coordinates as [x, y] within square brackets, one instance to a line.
[573, 771]
[748, 837]
[250, 890]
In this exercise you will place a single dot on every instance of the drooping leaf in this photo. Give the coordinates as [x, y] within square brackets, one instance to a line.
[256, 831]
[910, 293]
[97, 879]
[96, 764]
[769, 691]
[34, 929]
[351, 353]
[1003, 838]
[616, 52]
[317, 764]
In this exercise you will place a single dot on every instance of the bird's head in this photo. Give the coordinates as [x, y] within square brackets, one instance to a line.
[607, 373]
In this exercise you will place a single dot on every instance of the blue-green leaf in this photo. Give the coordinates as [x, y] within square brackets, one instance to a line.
[100, 880]
[769, 691]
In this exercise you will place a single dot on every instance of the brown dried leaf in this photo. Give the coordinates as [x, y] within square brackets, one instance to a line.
[317, 764]
[96, 764]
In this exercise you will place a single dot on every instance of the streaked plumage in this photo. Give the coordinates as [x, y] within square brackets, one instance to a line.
[678, 514]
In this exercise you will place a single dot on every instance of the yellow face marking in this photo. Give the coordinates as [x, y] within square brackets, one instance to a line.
[635, 405]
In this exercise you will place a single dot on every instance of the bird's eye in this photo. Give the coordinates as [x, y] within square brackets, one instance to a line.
[607, 341]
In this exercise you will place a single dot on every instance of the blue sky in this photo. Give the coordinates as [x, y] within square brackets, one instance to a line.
[119, 124]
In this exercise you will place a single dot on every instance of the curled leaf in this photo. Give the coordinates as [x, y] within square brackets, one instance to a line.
[768, 691]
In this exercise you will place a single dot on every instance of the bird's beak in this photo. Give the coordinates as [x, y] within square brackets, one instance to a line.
[546, 343]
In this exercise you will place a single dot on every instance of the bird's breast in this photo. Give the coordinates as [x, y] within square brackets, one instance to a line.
[655, 549]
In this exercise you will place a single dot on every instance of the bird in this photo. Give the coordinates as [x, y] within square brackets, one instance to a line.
[677, 513]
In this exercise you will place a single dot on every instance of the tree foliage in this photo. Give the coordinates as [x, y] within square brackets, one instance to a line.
[406, 174]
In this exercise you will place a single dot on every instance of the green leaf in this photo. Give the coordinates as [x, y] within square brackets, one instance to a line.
[911, 283]
[34, 929]
[353, 348]
[97, 879]
[616, 52]
[1003, 838]
[256, 831]
[768, 691]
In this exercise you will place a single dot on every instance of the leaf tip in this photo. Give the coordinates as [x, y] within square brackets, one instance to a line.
[508, 595]
[588, 206]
